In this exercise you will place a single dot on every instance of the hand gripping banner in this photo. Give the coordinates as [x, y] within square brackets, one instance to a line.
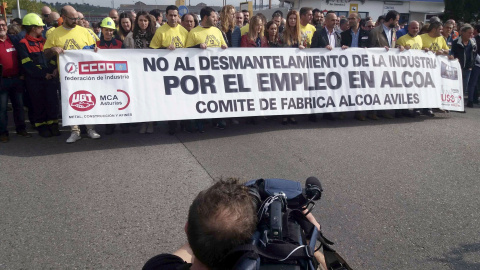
[122, 86]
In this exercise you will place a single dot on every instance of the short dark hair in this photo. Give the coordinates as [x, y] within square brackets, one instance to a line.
[220, 218]
[304, 10]
[343, 21]
[363, 22]
[277, 13]
[316, 10]
[171, 7]
[206, 11]
[434, 25]
[156, 13]
[195, 19]
[381, 18]
[18, 21]
[244, 10]
[331, 11]
[477, 27]
[392, 14]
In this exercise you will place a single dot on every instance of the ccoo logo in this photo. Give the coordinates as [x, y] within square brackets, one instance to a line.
[82, 101]
[70, 67]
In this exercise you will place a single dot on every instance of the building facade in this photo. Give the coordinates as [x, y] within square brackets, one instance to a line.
[418, 10]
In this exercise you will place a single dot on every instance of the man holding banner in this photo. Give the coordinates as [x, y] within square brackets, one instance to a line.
[328, 38]
[383, 36]
[170, 36]
[69, 36]
[355, 38]
[206, 35]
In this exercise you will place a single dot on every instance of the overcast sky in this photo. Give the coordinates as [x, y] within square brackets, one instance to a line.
[108, 3]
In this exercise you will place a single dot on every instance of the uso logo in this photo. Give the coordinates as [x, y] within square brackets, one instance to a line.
[102, 67]
[82, 101]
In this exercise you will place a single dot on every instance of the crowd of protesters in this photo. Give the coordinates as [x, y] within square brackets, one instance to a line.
[29, 50]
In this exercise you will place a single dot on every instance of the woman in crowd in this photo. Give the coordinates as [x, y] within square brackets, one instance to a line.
[271, 34]
[125, 26]
[227, 23]
[254, 39]
[292, 37]
[255, 36]
[139, 38]
[108, 41]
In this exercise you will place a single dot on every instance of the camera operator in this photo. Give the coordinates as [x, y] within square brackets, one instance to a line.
[220, 218]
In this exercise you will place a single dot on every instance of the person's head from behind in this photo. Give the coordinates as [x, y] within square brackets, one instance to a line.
[220, 218]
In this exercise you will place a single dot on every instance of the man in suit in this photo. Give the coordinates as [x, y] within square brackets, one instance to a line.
[384, 36]
[355, 38]
[328, 38]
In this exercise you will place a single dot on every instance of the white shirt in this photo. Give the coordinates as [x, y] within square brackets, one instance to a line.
[331, 37]
[388, 32]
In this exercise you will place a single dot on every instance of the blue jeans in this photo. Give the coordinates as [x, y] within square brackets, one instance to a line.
[466, 77]
[11, 88]
[472, 83]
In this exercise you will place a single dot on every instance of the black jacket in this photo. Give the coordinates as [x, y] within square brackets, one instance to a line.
[363, 41]
[320, 39]
[458, 51]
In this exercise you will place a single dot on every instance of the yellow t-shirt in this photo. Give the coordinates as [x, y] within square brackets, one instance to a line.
[210, 36]
[93, 34]
[49, 31]
[166, 35]
[308, 31]
[244, 29]
[415, 43]
[434, 44]
[77, 38]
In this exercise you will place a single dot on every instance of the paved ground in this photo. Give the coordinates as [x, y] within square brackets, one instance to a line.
[399, 194]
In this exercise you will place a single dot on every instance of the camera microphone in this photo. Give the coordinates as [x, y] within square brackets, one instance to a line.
[313, 188]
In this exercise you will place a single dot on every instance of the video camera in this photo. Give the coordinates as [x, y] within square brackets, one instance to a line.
[285, 239]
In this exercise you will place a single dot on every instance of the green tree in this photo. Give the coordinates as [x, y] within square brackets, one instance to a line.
[29, 5]
[462, 10]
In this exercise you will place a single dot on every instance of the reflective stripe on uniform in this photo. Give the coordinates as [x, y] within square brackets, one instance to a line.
[25, 60]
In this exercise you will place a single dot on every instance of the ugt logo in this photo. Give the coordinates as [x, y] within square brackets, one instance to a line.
[82, 100]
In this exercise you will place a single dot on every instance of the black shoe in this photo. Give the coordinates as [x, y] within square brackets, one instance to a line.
[54, 129]
[328, 116]
[398, 115]
[4, 138]
[470, 104]
[171, 131]
[312, 118]
[125, 128]
[429, 113]
[109, 129]
[252, 121]
[24, 133]
[284, 121]
[44, 131]
[292, 121]
[416, 113]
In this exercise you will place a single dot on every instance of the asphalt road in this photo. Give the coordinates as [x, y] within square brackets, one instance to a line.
[399, 194]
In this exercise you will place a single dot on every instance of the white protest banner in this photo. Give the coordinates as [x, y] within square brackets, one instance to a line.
[121, 86]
